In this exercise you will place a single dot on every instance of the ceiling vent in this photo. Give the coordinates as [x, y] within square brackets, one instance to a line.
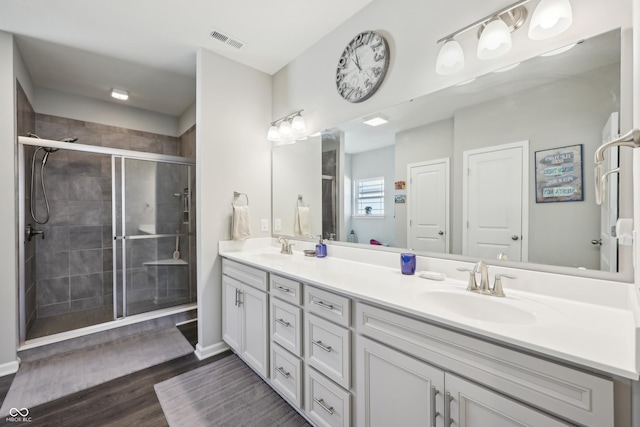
[226, 39]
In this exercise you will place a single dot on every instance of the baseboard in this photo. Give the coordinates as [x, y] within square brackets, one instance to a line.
[9, 368]
[206, 352]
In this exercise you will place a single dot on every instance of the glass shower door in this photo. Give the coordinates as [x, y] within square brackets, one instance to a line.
[155, 232]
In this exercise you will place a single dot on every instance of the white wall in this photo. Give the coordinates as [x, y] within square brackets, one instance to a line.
[412, 30]
[8, 214]
[373, 164]
[187, 119]
[48, 101]
[233, 110]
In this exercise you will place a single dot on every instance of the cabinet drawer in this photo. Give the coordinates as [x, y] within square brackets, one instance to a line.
[286, 326]
[245, 274]
[574, 394]
[286, 289]
[326, 403]
[328, 349]
[328, 305]
[286, 374]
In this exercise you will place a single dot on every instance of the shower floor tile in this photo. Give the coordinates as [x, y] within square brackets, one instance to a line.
[69, 321]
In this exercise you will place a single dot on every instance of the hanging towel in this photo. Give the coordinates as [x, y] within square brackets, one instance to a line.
[303, 221]
[240, 223]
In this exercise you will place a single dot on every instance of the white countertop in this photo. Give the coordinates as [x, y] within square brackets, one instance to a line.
[602, 337]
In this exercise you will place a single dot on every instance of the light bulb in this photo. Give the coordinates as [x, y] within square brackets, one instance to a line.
[550, 18]
[495, 40]
[285, 128]
[298, 125]
[273, 134]
[450, 58]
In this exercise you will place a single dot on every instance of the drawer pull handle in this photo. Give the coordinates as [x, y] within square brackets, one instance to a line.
[447, 410]
[283, 289]
[322, 346]
[323, 405]
[283, 323]
[283, 372]
[323, 305]
[434, 392]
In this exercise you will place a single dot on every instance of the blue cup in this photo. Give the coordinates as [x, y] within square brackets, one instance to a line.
[408, 263]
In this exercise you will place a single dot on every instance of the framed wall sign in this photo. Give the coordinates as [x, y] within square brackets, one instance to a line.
[559, 174]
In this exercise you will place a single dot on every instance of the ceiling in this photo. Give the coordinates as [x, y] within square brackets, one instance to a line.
[149, 47]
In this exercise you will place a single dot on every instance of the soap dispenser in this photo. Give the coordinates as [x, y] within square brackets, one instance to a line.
[321, 248]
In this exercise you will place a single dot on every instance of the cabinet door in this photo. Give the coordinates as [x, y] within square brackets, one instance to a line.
[395, 389]
[231, 313]
[474, 406]
[255, 350]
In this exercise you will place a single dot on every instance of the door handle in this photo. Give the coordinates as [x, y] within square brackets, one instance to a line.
[596, 242]
[514, 237]
[440, 232]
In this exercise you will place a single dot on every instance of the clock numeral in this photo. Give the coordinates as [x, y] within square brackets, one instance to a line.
[377, 71]
[379, 56]
[342, 62]
[377, 43]
[339, 77]
[368, 85]
[342, 88]
[357, 94]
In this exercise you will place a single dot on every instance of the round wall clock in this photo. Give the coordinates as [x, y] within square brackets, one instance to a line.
[362, 66]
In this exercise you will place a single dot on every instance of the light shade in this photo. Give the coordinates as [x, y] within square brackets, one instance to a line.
[120, 94]
[285, 128]
[450, 58]
[298, 124]
[550, 18]
[273, 134]
[495, 40]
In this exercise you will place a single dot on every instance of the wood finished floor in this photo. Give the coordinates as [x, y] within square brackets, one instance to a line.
[125, 401]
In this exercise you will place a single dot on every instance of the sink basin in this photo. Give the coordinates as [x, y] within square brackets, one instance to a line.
[482, 308]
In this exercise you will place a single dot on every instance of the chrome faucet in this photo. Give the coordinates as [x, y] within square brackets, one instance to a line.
[286, 246]
[485, 288]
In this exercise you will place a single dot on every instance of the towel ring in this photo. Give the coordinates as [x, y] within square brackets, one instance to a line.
[237, 194]
[300, 202]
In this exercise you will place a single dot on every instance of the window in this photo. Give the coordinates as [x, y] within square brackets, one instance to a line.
[369, 197]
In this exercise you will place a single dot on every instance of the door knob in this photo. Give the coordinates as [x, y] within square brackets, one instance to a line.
[440, 232]
[596, 242]
[514, 237]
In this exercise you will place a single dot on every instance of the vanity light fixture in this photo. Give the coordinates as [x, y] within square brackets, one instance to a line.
[292, 125]
[550, 18]
[562, 49]
[507, 68]
[120, 94]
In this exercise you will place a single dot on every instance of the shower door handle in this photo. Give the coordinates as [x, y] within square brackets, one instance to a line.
[30, 232]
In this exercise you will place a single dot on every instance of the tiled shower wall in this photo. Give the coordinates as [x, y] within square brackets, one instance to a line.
[74, 261]
[26, 120]
[187, 148]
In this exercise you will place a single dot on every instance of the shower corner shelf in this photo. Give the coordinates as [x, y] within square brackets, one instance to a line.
[168, 262]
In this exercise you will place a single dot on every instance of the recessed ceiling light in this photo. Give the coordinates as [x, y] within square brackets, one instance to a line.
[120, 94]
[375, 121]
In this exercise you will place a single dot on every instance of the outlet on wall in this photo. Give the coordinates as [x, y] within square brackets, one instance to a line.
[265, 225]
[277, 224]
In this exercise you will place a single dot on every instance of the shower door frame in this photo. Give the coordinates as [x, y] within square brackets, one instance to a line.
[113, 152]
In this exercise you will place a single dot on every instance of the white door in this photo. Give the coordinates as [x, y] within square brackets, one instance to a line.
[255, 349]
[495, 204]
[231, 313]
[428, 206]
[609, 207]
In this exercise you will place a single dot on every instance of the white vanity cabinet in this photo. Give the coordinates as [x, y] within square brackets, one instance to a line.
[244, 313]
[397, 389]
[422, 362]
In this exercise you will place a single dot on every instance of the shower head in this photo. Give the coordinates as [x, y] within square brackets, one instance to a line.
[69, 139]
[32, 135]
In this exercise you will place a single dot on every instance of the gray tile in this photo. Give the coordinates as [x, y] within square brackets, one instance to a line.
[51, 129]
[56, 239]
[85, 261]
[86, 286]
[85, 212]
[85, 237]
[107, 237]
[52, 264]
[85, 164]
[53, 309]
[107, 213]
[56, 187]
[116, 140]
[50, 291]
[140, 143]
[85, 188]
[59, 212]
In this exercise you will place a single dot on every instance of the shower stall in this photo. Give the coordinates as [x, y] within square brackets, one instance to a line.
[108, 234]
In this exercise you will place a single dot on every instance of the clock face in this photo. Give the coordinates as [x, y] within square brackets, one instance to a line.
[362, 66]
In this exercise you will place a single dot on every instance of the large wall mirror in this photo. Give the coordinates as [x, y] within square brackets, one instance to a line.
[498, 168]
